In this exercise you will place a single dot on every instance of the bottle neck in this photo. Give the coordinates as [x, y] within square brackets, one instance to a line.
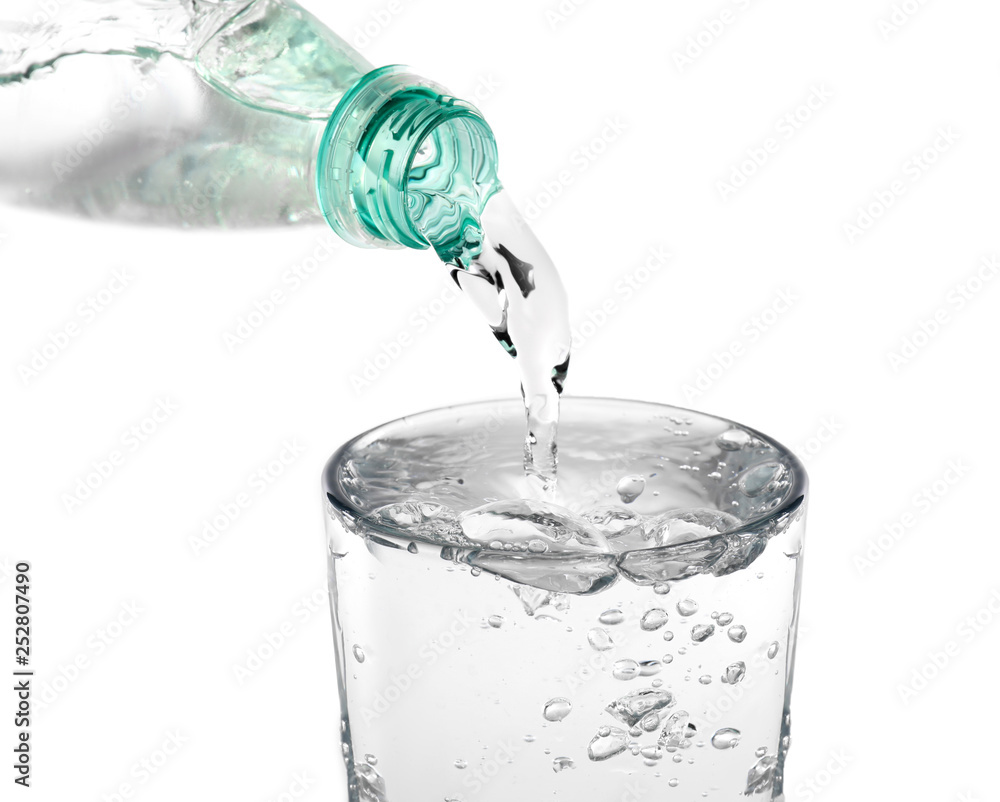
[403, 164]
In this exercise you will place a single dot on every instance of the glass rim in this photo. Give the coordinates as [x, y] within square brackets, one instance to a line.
[793, 500]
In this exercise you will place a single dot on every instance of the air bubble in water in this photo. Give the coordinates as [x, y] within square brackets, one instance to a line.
[633, 707]
[460, 764]
[536, 600]
[652, 752]
[737, 633]
[760, 751]
[653, 619]
[600, 640]
[359, 653]
[612, 742]
[611, 617]
[625, 670]
[409, 513]
[371, 760]
[561, 763]
[705, 679]
[760, 778]
[630, 488]
[668, 635]
[702, 632]
[371, 785]
[412, 548]
[725, 619]
[678, 730]
[759, 478]
[557, 709]
[661, 588]
[735, 672]
[726, 738]
[650, 722]
[648, 668]
[495, 621]
[687, 607]
[772, 650]
[733, 440]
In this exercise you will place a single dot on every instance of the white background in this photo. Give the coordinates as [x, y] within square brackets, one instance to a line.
[875, 432]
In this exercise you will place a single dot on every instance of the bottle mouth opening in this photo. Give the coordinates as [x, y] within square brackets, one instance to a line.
[450, 176]
[404, 164]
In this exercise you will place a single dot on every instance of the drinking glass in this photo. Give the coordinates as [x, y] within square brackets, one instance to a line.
[630, 636]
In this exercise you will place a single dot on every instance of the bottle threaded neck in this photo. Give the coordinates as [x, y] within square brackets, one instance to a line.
[403, 164]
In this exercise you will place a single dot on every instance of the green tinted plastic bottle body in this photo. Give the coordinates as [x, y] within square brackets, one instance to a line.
[212, 119]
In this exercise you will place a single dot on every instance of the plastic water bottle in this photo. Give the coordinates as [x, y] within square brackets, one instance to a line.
[239, 113]
[232, 114]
